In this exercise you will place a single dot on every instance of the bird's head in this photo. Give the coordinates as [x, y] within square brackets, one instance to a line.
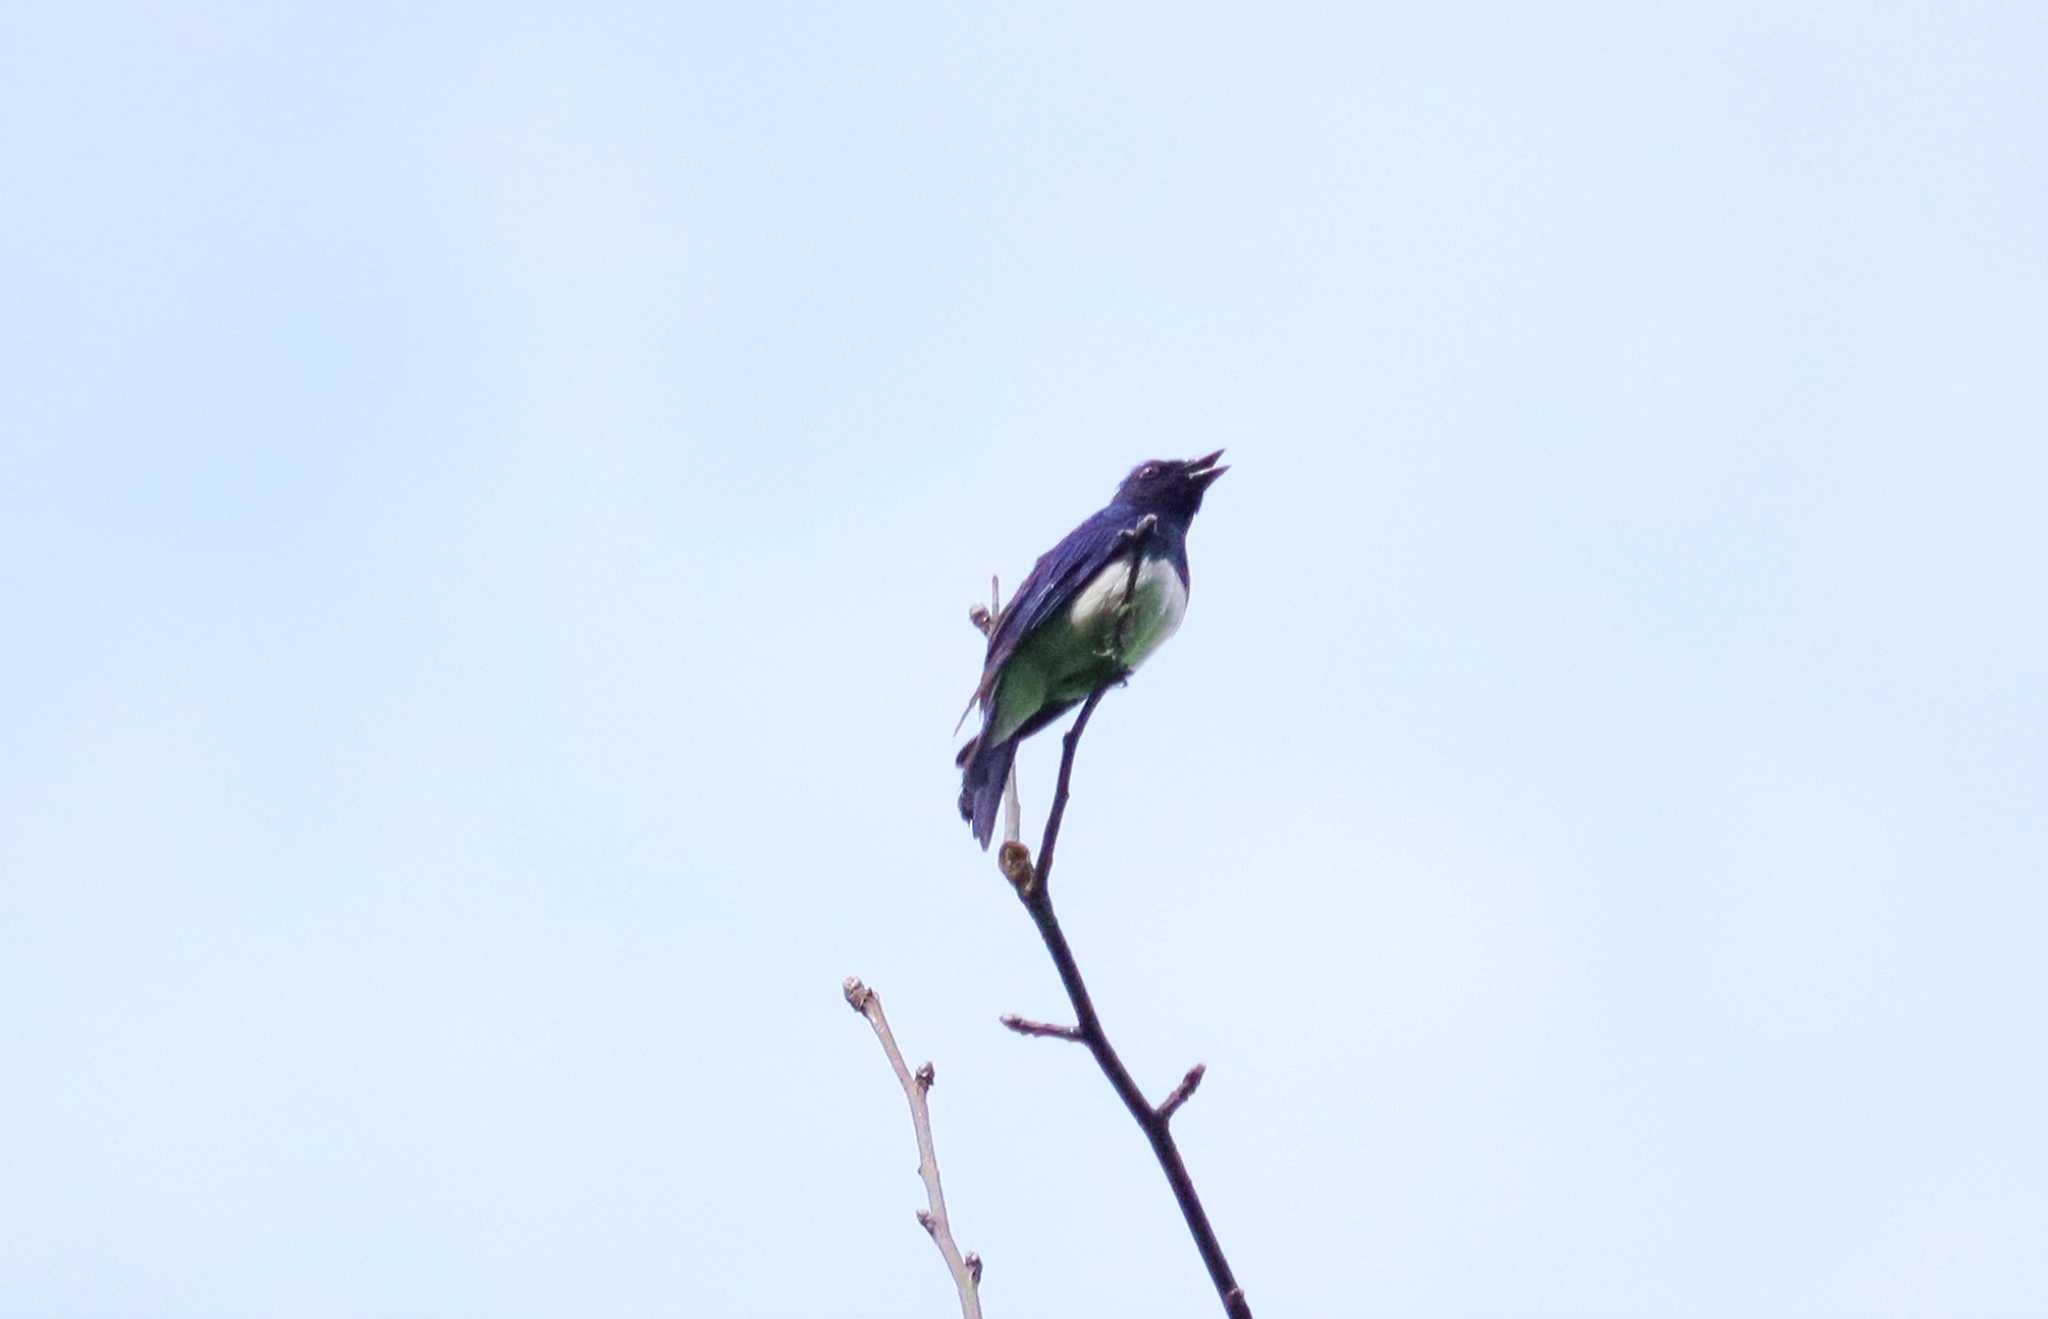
[1170, 485]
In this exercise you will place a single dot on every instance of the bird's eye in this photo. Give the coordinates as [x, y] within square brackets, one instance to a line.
[1148, 471]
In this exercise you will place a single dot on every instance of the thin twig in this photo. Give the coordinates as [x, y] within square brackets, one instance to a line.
[1026, 1026]
[1034, 888]
[1182, 1092]
[966, 1270]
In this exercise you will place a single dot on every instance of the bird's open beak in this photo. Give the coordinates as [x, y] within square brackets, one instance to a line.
[1203, 470]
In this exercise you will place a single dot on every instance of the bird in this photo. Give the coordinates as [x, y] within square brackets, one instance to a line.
[1094, 607]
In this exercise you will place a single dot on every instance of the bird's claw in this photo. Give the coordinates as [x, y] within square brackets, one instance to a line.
[1146, 526]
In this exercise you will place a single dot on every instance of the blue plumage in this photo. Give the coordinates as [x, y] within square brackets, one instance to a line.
[1083, 617]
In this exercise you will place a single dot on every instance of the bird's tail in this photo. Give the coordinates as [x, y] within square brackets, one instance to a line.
[984, 771]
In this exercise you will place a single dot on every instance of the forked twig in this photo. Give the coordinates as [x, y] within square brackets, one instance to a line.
[966, 1269]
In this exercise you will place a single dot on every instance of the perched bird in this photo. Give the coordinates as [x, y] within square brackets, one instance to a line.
[1082, 618]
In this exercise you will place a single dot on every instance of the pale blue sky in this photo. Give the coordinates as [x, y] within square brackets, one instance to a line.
[489, 498]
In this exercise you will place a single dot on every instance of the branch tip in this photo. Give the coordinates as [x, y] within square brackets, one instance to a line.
[1182, 1092]
[857, 994]
[1043, 1029]
[984, 616]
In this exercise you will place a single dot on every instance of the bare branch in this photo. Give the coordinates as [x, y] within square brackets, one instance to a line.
[966, 1271]
[1046, 1029]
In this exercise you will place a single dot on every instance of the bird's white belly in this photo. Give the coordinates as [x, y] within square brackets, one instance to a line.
[1155, 614]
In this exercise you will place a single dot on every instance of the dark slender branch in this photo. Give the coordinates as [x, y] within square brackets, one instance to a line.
[1034, 888]
[1041, 874]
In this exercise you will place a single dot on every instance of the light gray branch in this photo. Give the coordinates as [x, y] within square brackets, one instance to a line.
[966, 1270]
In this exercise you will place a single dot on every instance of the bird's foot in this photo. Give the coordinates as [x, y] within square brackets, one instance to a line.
[1145, 527]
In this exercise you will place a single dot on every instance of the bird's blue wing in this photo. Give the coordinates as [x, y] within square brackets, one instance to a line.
[1058, 574]
[1050, 587]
